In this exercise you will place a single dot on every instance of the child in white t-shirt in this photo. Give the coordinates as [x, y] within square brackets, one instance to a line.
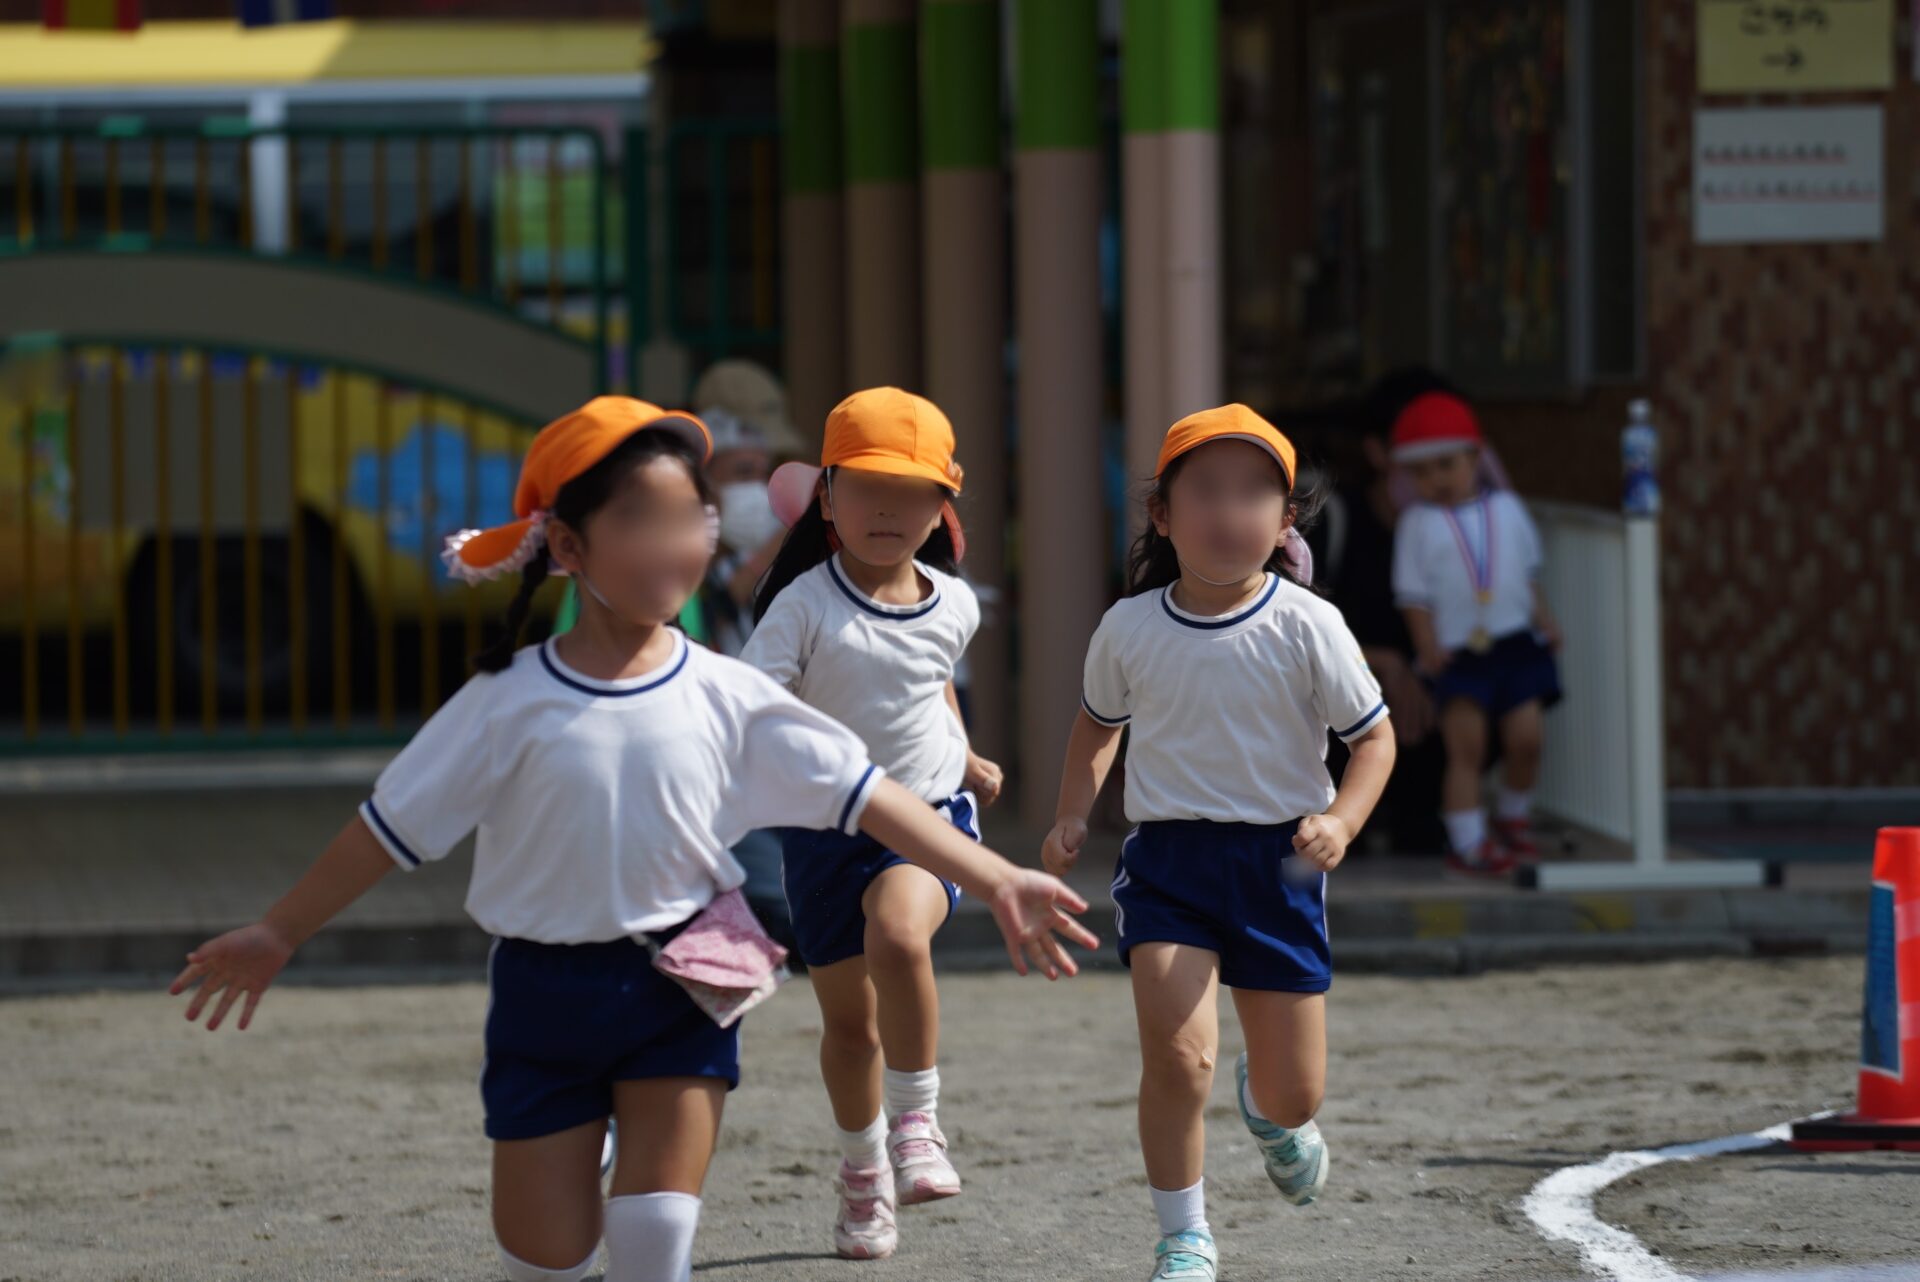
[1230, 673]
[1466, 565]
[865, 617]
[607, 773]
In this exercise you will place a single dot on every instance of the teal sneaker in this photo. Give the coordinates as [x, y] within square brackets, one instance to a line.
[1186, 1256]
[1296, 1160]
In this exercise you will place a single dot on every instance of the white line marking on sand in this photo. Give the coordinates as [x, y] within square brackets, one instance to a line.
[1561, 1206]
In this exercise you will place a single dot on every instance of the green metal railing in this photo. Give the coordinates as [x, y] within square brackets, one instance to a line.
[514, 216]
[723, 236]
[202, 547]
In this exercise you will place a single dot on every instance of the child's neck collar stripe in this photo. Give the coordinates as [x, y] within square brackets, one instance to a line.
[612, 690]
[873, 607]
[1181, 617]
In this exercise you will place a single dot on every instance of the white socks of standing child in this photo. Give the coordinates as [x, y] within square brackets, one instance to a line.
[1467, 829]
[649, 1239]
[907, 1091]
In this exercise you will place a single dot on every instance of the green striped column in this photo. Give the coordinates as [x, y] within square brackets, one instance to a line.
[813, 212]
[1170, 218]
[1057, 313]
[879, 114]
[964, 255]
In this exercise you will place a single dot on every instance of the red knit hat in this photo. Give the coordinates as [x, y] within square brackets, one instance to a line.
[1432, 424]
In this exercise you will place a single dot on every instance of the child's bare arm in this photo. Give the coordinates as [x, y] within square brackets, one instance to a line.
[1323, 838]
[1090, 752]
[1029, 906]
[1428, 656]
[1543, 621]
[244, 962]
[984, 777]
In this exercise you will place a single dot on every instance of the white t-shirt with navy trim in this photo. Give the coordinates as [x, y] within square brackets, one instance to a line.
[1230, 713]
[607, 808]
[1433, 560]
[880, 670]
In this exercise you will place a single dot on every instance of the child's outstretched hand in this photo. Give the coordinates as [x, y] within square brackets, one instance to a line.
[240, 962]
[1322, 840]
[983, 778]
[1031, 908]
[1061, 851]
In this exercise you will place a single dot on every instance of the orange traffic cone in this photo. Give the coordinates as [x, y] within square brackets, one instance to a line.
[1889, 1115]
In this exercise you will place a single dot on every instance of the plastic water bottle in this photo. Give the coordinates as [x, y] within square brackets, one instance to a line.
[1639, 462]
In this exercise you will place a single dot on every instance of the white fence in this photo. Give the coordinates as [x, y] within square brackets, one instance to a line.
[1584, 771]
[1605, 765]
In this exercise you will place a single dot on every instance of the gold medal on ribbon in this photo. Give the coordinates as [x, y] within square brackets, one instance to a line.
[1479, 569]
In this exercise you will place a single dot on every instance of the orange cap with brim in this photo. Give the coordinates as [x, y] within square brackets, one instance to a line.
[1226, 423]
[881, 429]
[563, 450]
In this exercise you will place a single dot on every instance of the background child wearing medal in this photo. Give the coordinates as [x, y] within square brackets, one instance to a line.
[1466, 560]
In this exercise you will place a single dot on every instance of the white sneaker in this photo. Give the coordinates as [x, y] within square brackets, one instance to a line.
[1186, 1256]
[864, 1229]
[1296, 1160]
[921, 1171]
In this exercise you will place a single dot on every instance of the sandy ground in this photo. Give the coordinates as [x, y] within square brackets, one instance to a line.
[340, 1137]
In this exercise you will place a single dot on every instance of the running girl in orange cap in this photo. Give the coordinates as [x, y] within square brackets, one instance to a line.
[608, 771]
[864, 616]
[1230, 672]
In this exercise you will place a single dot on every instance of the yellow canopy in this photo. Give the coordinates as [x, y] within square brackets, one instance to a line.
[225, 53]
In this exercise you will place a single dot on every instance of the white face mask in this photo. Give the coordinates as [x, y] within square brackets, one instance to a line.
[746, 516]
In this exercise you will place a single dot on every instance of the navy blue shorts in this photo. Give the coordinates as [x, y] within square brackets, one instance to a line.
[1518, 669]
[1235, 889]
[567, 1021]
[827, 873]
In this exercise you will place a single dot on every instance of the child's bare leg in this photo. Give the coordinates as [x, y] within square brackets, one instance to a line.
[1521, 732]
[1464, 728]
[1286, 1053]
[546, 1198]
[849, 1042]
[668, 1127]
[905, 905]
[1175, 999]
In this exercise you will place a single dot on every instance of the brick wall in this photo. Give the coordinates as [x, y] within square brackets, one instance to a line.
[1786, 381]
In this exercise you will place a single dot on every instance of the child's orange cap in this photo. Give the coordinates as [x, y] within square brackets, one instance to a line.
[881, 429]
[884, 429]
[1226, 423]
[563, 450]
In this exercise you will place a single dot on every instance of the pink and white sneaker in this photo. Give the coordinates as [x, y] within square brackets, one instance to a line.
[865, 1227]
[921, 1171]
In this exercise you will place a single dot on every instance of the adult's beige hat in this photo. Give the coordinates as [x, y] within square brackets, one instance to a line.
[750, 393]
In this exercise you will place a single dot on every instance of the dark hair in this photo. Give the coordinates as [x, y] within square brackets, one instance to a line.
[1153, 563]
[1393, 392]
[807, 545]
[578, 500]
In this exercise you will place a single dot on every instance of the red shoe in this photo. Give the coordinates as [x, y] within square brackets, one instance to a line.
[1515, 836]
[1488, 862]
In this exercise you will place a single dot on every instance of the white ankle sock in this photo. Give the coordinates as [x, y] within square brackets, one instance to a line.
[1466, 829]
[912, 1091]
[518, 1270]
[866, 1149]
[650, 1237]
[1180, 1209]
[1514, 807]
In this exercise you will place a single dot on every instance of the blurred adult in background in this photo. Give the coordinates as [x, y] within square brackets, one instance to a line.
[745, 410]
[1353, 556]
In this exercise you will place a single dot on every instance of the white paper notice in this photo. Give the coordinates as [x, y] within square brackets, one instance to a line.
[1768, 174]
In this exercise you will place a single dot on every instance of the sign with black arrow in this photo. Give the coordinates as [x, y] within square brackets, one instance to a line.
[1748, 46]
